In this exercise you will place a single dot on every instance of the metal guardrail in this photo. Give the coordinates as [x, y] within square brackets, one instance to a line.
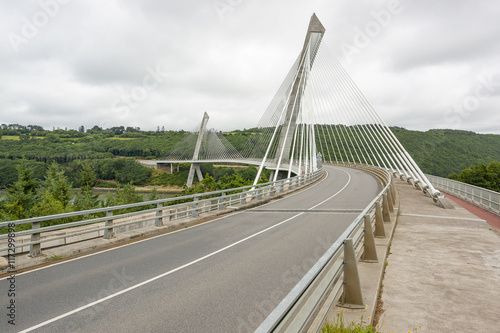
[483, 198]
[163, 209]
[335, 273]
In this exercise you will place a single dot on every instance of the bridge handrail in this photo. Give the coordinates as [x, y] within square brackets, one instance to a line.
[297, 309]
[191, 207]
[481, 197]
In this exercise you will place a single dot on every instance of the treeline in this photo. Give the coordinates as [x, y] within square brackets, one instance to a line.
[485, 176]
[437, 152]
[122, 170]
[54, 194]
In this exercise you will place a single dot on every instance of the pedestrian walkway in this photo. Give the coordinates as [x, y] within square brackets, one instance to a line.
[443, 270]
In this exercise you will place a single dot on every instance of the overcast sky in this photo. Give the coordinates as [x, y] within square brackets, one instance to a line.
[422, 64]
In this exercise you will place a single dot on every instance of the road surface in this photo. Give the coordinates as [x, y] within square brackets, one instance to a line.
[222, 276]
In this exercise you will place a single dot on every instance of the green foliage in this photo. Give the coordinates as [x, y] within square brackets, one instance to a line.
[487, 177]
[339, 326]
[22, 195]
[442, 152]
[56, 185]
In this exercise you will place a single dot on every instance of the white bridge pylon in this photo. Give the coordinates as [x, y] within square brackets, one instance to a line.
[318, 113]
[319, 109]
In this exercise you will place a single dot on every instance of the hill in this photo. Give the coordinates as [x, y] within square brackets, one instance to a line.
[441, 152]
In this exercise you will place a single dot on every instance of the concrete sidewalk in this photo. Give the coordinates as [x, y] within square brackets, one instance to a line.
[443, 271]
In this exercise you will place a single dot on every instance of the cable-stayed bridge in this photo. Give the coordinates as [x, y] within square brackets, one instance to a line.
[270, 257]
[318, 112]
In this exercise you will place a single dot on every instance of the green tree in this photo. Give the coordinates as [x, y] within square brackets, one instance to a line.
[57, 185]
[23, 194]
[86, 199]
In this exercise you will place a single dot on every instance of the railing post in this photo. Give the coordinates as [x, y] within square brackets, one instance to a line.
[108, 233]
[159, 215]
[258, 193]
[379, 221]
[35, 249]
[242, 197]
[369, 250]
[353, 295]
[385, 209]
[393, 191]
[282, 186]
[271, 190]
[193, 212]
[390, 200]
[222, 198]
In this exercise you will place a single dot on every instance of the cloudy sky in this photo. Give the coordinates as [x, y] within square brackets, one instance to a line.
[65, 63]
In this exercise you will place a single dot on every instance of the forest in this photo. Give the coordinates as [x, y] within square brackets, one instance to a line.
[52, 171]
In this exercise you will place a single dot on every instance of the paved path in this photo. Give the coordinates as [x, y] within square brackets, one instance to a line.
[222, 276]
[443, 273]
[492, 219]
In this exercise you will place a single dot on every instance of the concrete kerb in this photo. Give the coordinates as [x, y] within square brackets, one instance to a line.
[64, 252]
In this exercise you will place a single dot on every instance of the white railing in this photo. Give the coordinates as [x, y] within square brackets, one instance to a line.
[335, 273]
[105, 222]
[486, 199]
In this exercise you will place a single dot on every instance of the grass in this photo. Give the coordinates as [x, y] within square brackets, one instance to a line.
[117, 138]
[10, 137]
[339, 326]
[54, 257]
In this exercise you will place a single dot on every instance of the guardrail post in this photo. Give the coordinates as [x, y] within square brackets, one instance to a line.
[271, 190]
[159, 215]
[108, 233]
[193, 212]
[353, 295]
[379, 221]
[222, 205]
[258, 193]
[393, 191]
[35, 249]
[242, 197]
[282, 186]
[385, 209]
[390, 200]
[369, 250]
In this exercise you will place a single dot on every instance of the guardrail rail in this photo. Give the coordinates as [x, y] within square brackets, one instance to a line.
[158, 211]
[483, 198]
[336, 271]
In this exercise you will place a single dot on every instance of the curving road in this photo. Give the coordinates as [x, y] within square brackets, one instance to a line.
[223, 276]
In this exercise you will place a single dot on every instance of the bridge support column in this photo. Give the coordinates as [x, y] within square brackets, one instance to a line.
[195, 167]
[379, 221]
[369, 250]
[353, 295]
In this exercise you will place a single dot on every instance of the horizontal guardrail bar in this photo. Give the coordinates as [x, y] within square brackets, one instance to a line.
[194, 205]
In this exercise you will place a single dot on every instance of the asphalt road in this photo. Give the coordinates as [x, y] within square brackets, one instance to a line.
[223, 276]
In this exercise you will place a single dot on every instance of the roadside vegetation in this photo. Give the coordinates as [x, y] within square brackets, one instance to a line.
[54, 171]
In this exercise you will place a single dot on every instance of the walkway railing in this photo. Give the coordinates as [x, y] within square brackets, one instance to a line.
[336, 273]
[105, 222]
[486, 199]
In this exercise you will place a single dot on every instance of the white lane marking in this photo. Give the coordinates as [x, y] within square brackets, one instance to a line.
[173, 270]
[170, 233]
[445, 217]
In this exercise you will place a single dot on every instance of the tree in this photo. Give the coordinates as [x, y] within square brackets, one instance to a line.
[22, 195]
[86, 199]
[57, 185]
